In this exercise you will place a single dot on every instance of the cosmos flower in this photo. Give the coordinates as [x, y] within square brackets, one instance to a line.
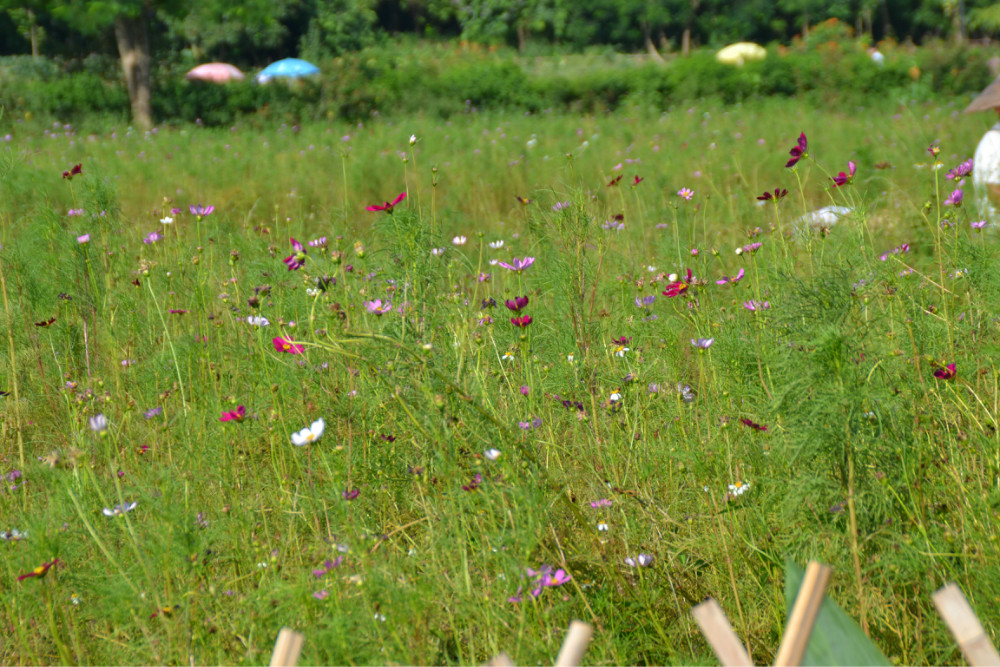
[492, 454]
[236, 415]
[645, 301]
[387, 206]
[752, 424]
[152, 237]
[961, 171]
[642, 560]
[636, 181]
[522, 321]
[98, 423]
[376, 307]
[200, 211]
[283, 345]
[685, 193]
[76, 170]
[496, 245]
[844, 179]
[258, 321]
[955, 198]
[85, 238]
[39, 571]
[678, 287]
[776, 196]
[121, 509]
[518, 265]
[309, 434]
[754, 306]
[459, 240]
[734, 279]
[798, 151]
[517, 303]
[297, 259]
[945, 373]
[702, 343]
[350, 494]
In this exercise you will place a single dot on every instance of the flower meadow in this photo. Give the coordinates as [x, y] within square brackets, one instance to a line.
[426, 390]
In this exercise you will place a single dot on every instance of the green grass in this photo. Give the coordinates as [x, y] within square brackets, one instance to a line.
[869, 462]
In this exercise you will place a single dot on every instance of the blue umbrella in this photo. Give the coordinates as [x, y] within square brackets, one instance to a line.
[289, 67]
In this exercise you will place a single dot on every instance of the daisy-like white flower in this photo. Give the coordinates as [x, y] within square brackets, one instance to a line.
[615, 397]
[642, 560]
[621, 351]
[459, 240]
[570, 358]
[508, 356]
[309, 434]
[258, 321]
[120, 509]
[167, 220]
[496, 245]
[603, 527]
[437, 252]
[492, 454]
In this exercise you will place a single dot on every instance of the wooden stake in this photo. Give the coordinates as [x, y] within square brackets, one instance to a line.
[719, 633]
[803, 616]
[287, 648]
[575, 644]
[965, 626]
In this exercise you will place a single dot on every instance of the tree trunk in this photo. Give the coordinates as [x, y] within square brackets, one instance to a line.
[647, 38]
[958, 22]
[522, 38]
[132, 35]
[33, 33]
[686, 41]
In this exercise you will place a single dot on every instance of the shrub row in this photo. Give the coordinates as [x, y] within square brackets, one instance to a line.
[360, 84]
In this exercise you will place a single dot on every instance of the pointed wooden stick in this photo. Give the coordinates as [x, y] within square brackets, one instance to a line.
[575, 644]
[965, 626]
[287, 648]
[803, 616]
[719, 633]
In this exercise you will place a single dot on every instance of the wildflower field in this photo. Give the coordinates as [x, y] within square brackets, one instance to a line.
[427, 390]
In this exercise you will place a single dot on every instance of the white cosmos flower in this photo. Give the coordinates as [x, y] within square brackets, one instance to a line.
[120, 509]
[258, 321]
[167, 220]
[437, 252]
[672, 278]
[413, 139]
[459, 240]
[492, 454]
[309, 434]
[496, 245]
[494, 262]
[615, 397]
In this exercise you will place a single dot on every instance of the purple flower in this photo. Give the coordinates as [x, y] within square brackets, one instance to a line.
[201, 211]
[153, 412]
[734, 279]
[321, 595]
[318, 243]
[603, 502]
[558, 206]
[702, 343]
[518, 265]
[642, 560]
[84, 238]
[752, 247]
[955, 198]
[979, 225]
[74, 212]
[152, 237]
[754, 306]
[961, 171]
[517, 303]
[350, 494]
[798, 151]
[296, 260]
[474, 484]
[645, 301]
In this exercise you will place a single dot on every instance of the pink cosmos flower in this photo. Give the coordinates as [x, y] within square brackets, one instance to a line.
[844, 179]
[753, 305]
[521, 322]
[734, 279]
[636, 181]
[298, 259]
[798, 151]
[685, 193]
[955, 198]
[752, 424]
[376, 307]
[201, 211]
[517, 303]
[387, 206]
[236, 415]
[283, 345]
[518, 265]
[960, 172]
[776, 196]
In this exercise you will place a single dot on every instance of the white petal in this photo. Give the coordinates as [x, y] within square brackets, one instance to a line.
[108, 512]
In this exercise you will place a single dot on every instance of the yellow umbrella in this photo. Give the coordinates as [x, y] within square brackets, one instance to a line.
[740, 52]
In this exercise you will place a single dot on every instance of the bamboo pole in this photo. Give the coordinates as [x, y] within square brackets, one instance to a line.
[720, 636]
[965, 626]
[287, 648]
[803, 616]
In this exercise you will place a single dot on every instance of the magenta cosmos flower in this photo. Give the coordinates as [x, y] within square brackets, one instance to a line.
[75, 171]
[946, 373]
[517, 303]
[236, 415]
[387, 206]
[844, 179]
[39, 571]
[521, 322]
[776, 196]
[284, 345]
[955, 198]
[376, 307]
[298, 259]
[731, 279]
[798, 151]
[678, 287]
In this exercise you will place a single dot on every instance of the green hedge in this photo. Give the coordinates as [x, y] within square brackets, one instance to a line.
[355, 86]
